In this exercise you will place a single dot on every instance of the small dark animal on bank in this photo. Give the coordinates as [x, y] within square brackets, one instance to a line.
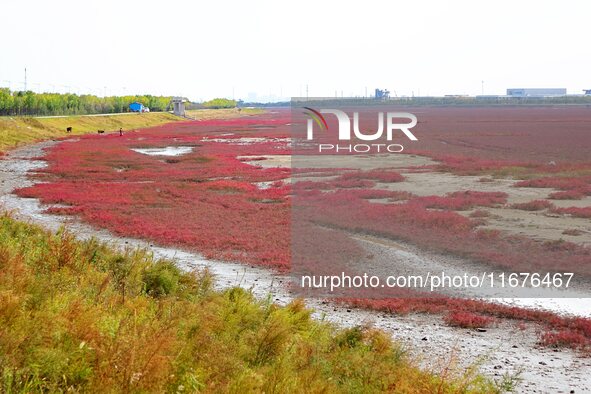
[68, 129]
[100, 131]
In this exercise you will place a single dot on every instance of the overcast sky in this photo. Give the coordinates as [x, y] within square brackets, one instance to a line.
[205, 49]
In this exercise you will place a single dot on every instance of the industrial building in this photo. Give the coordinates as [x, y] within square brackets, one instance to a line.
[178, 105]
[536, 92]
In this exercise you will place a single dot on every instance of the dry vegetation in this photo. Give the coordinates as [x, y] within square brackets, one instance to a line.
[16, 130]
[79, 316]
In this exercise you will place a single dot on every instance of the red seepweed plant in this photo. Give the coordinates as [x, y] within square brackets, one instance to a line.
[463, 200]
[535, 205]
[467, 320]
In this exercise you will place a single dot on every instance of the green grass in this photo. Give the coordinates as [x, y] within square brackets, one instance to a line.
[79, 316]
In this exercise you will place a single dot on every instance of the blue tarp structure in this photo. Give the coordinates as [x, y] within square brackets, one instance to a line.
[136, 107]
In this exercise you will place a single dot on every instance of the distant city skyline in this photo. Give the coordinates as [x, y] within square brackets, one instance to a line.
[270, 51]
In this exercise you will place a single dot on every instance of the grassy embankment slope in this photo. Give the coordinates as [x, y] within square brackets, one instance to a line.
[79, 316]
[15, 131]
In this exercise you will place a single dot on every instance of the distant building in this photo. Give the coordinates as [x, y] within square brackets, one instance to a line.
[587, 92]
[178, 106]
[536, 92]
[382, 94]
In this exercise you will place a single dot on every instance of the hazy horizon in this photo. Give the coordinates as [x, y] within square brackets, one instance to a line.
[264, 50]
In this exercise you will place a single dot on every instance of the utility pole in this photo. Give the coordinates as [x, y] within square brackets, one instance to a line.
[483, 88]
[25, 79]
[306, 92]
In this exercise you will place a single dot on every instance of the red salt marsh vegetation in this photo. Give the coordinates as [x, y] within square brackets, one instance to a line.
[558, 331]
[535, 205]
[444, 230]
[577, 212]
[206, 199]
[467, 320]
[211, 201]
[490, 136]
[462, 200]
[566, 195]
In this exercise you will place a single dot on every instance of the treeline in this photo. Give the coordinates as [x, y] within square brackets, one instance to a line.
[220, 103]
[30, 103]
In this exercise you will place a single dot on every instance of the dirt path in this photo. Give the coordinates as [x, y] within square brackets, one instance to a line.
[498, 351]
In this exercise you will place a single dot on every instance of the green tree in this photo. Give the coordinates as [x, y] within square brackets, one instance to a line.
[30, 103]
[220, 103]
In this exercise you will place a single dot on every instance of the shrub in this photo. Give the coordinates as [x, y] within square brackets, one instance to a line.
[567, 195]
[161, 279]
[562, 183]
[467, 320]
[463, 200]
[572, 231]
[350, 337]
[584, 212]
[535, 205]
[480, 213]
[564, 338]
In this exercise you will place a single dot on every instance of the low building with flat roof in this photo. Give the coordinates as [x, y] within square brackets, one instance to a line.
[536, 92]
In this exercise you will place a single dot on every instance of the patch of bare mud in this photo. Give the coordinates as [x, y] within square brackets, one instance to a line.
[539, 225]
[392, 258]
[360, 162]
